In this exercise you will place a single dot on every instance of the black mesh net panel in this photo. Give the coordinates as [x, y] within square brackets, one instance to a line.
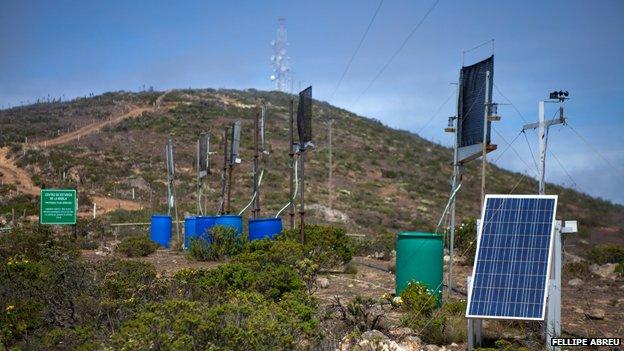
[170, 163]
[204, 160]
[472, 102]
[236, 130]
[304, 116]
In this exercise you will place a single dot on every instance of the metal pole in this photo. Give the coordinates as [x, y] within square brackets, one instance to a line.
[198, 178]
[229, 189]
[542, 146]
[256, 204]
[291, 154]
[225, 168]
[485, 121]
[331, 166]
[168, 182]
[453, 186]
[302, 207]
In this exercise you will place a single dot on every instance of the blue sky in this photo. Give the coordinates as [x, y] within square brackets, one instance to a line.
[73, 48]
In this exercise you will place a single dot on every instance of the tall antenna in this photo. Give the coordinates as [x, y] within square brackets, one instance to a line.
[280, 59]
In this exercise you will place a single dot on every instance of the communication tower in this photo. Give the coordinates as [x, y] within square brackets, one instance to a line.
[280, 59]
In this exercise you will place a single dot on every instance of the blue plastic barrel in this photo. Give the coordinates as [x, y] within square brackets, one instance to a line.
[190, 231]
[233, 221]
[261, 228]
[160, 230]
[203, 225]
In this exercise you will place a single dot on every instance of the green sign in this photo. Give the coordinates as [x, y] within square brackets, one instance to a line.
[58, 206]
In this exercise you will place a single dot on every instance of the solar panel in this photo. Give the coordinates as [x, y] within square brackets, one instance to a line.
[512, 263]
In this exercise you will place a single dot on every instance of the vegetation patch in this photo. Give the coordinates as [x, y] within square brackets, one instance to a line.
[606, 253]
[137, 246]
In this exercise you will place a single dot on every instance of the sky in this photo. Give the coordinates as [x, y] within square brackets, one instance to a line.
[74, 48]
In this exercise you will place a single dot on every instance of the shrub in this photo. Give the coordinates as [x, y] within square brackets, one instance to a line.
[137, 246]
[577, 269]
[327, 246]
[223, 243]
[360, 314]
[419, 299]
[199, 249]
[37, 243]
[272, 281]
[606, 253]
[351, 268]
[245, 322]
[465, 240]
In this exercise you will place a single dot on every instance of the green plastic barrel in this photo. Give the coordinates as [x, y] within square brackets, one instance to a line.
[420, 257]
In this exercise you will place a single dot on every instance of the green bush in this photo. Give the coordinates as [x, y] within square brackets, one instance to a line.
[245, 322]
[466, 240]
[577, 270]
[37, 243]
[223, 242]
[137, 246]
[360, 314]
[418, 298]
[606, 253]
[273, 281]
[329, 247]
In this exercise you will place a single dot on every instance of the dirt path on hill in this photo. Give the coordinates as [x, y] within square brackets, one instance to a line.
[92, 128]
[10, 173]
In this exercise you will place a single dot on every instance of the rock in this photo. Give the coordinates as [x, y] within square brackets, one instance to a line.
[447, 258]
[411, 343]
[329, 214]
[379, 255]
[595, 313]
[401, 332]
[606, 271]
[397, 301]
[568, 257]
[393, 253]
[139, 183]
[575, 282]
[454, 345]
[322, 282]
[432, 347]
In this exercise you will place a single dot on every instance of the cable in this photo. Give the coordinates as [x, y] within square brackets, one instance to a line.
[436, 113]
[526, 122]
[507, 148]
[255, 194]
[514, 149]
[357, 49]
[396, 53]
[530, 149]
[296, 187]
[594, 150]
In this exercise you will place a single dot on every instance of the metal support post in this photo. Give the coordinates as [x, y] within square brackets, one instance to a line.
[485, 130]
[291, 154]
[302, 208]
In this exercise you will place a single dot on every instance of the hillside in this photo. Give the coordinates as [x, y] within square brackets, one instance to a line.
[385, 180]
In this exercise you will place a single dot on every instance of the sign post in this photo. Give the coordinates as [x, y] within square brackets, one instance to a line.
[58, 206]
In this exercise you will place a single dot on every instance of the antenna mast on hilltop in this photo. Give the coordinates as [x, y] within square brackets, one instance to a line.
[280, 59]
